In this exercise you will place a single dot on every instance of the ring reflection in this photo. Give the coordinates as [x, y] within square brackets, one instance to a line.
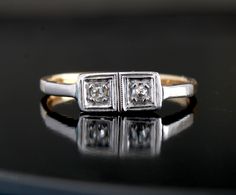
[114, 135]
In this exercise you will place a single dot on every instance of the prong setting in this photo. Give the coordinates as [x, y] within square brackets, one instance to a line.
[140, 91]
[98, 92]
[123, 91]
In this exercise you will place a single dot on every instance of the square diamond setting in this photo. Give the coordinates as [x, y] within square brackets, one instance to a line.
[122, 91]
[98, 92]
[140, 90]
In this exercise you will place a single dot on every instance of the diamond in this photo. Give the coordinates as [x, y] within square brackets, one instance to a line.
[140, 91]
[98, 91]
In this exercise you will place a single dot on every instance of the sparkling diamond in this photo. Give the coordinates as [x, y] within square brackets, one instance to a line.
[98, 92]
[140, 91]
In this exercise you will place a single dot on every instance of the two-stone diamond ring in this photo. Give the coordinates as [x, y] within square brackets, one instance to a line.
[118, 91]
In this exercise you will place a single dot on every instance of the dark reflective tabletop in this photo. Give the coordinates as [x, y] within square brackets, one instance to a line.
[66, 150]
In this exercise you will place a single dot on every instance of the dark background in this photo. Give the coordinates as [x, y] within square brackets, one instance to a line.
[201, 44]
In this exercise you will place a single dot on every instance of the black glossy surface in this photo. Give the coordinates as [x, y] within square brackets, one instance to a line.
[203, 47]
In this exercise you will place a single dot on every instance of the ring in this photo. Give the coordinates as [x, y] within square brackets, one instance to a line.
[116, 135]
[118, 91]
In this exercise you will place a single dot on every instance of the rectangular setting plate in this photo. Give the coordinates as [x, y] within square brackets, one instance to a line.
[122, 91]
[140, 91]
[98, 92]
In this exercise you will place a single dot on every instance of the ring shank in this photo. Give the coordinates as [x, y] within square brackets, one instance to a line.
[65, 85]
[59, 84]
[177, 86]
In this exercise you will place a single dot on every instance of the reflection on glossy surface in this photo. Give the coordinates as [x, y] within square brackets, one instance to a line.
[140, 136]
[98, 135]
[123, 136]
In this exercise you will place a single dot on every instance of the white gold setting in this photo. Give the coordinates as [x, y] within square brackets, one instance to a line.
[140, 90]
[119, 91]
[97, 92]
